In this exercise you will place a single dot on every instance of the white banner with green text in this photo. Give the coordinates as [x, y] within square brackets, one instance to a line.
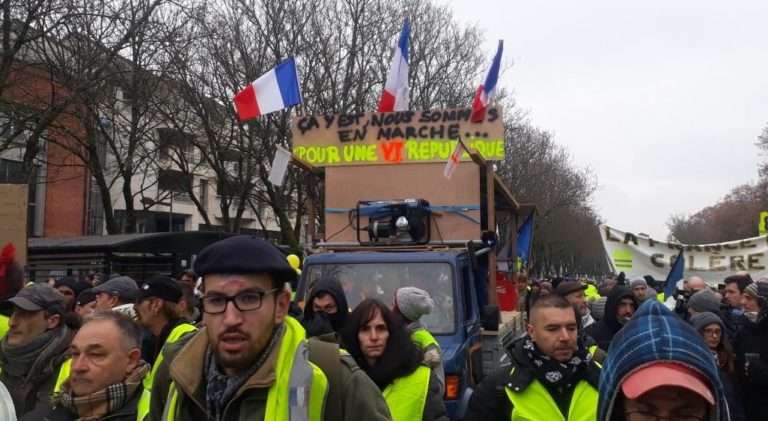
[640, 255]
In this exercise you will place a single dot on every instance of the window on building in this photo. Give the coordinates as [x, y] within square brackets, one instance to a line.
[176, 182]
[204, 193]
[229, 187]
[172, 141]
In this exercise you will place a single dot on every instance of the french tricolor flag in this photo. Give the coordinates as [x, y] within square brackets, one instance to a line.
[273, 91]
[395, 95]
[485, 92]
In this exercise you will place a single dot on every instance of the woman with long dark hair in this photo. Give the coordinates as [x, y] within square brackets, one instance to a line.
[711, 327]
[380, 344]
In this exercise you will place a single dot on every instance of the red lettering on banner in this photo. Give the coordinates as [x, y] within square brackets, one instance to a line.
[392, 151]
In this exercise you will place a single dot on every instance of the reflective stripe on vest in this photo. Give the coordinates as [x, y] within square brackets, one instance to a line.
[169, 412]
[407, 395]
[300, 387]
[66, 366]
[146, 394]
[536, 404]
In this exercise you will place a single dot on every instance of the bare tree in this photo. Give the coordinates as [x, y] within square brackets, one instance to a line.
[104, 58]
[541, 172]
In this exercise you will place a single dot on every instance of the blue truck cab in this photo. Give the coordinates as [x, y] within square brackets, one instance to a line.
[450, 277]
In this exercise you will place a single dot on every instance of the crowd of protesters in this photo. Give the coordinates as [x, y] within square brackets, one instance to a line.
[222, 343]
[630, 353]
[227, 342]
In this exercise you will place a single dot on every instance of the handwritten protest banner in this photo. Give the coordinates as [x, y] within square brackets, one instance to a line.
[639, 255]
[399, 137]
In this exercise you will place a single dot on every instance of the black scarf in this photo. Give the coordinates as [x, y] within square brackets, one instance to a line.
[35, 358]
[552, 372]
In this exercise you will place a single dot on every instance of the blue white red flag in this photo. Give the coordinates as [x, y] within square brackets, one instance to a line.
[485, 92]
[395, 95]
[275, 90]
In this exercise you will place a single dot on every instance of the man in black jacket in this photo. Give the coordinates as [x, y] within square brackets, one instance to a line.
[548, 364]
[619, 308]
[751, 348]
[733, 313]
[106, 374]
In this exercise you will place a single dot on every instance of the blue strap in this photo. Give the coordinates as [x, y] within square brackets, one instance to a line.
[454, 209]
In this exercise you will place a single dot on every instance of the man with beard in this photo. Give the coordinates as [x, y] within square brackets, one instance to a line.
[619, 308]
[639, 287]
[552, 376]
[751, 348]
[733, 314]
[34, 349]
[326, 310]
[252, 361]
[156, 311]
[105, 381]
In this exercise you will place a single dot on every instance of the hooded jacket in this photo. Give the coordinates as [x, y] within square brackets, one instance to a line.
[604, 330]
[318, 325]
[655, 334]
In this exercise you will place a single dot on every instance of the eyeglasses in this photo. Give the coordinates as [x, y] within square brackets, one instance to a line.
[244, 301]
[649, 416]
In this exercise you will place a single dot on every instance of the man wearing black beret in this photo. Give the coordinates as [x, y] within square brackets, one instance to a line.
[252, 361]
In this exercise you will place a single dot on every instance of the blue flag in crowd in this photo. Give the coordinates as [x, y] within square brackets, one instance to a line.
[675, 274]
[525, 238]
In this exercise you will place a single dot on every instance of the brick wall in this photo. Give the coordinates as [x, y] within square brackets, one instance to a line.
[66, 178]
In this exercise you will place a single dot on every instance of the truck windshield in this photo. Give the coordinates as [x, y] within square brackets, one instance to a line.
[381, 280]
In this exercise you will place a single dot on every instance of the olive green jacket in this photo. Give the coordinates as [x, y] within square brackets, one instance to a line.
[184, 363]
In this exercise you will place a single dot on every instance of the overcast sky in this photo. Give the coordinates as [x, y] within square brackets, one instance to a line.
[663, 100]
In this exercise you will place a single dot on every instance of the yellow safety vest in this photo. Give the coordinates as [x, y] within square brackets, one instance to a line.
[4, 321]
[407, 395]
[536, 404]
[66, 366]
[295, 375]
[423, 339]
[146, 394]
[660, 297]
[591, 292]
